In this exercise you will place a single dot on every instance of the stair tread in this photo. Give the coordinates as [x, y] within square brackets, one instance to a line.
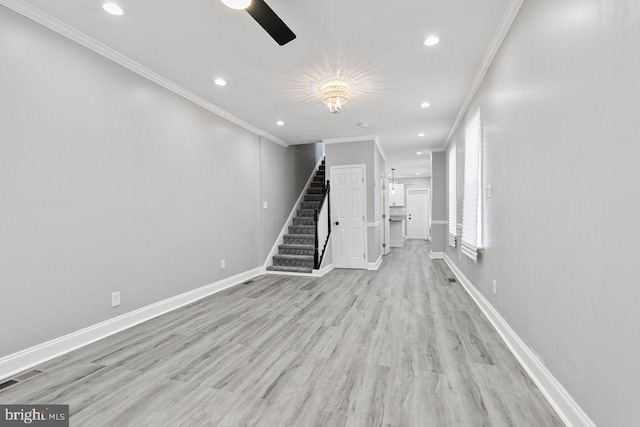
[295, 246]
[306, 236]
[289, 269]
[292, 256]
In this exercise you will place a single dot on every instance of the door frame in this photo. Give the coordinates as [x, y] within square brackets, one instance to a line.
[364, 208]
[428, 190]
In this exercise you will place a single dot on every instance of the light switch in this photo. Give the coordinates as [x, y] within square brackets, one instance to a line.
[265, 205]
[489, 191]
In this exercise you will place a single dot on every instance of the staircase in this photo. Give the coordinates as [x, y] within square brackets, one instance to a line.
[296, 254]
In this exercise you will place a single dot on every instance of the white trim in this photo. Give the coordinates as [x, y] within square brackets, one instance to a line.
[347, 139]
[437, 255]
[374, 224]
[79, 37]
[379, 145]
[324, 270]
[498, 37]
[285, 228]
[25, 359]
[561, 401]
[375, 265]
[439, 222]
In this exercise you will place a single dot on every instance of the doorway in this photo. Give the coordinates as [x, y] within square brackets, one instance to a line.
[348, 203]
[418, 214]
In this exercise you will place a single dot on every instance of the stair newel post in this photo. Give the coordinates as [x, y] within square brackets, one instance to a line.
[328, 200]
[316, 257]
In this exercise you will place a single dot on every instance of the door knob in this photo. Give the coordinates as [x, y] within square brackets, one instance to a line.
[337, 223]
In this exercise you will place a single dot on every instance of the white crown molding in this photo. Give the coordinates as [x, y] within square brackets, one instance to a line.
[71, 33]
[347, 139]
[17, 362]
[559, 398]
[498, 37]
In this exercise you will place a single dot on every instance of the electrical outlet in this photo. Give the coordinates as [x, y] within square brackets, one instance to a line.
[489, 191]
[495, 287]
[223, 264]
[265, 205]
[115, 299]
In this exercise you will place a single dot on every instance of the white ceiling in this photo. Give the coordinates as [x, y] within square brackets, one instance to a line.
[377, 45]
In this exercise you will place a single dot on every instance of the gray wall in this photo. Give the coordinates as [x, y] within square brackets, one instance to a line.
[561, 151]
[367, 153]
[109, 182]
[438, 202]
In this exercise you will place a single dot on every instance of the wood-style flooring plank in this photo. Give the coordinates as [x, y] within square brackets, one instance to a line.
[402, 346]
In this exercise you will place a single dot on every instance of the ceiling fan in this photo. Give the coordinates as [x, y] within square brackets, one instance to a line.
[266, 17]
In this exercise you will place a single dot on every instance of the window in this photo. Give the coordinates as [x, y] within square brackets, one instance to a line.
[472, 201]
[453, 196]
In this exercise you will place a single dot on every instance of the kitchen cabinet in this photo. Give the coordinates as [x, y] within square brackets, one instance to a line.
[396, 195]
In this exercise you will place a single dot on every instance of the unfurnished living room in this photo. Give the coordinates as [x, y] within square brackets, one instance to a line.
[319, 213]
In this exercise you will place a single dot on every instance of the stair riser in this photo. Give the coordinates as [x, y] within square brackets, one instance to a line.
[309, 205]
[288, 269]
[290, 251]
[315, 190]
[317, 184]
[303, 221]
[302, 230]
[299, 240]
[313, 198]
[319, 179]
[294, 263]
[305, 213]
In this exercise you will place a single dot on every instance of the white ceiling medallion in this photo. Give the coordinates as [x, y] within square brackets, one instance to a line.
[335, 93]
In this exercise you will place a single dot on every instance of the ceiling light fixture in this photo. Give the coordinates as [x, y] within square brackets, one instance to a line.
[220, 82]
[335, 93]
[425, 105]
[417, 173]
[280, 123]
[237, 4]
[421, 134]
[393, 181]
[432, 41]
[113, 9]
[419, 152]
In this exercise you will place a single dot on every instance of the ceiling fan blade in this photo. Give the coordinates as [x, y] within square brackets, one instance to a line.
[267, 18]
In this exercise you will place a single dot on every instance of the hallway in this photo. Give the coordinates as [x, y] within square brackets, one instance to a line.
[402, 346]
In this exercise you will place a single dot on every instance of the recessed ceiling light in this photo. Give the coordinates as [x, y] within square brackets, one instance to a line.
[417, 173]
[419, 152]
[237, 4]
[425, 105]
[421, 134]
[113, 9]
[363, 125]
[220, 82]
[432, 41]
[280, 123]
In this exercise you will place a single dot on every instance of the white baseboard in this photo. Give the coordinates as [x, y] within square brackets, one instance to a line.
[561, 401]
[285, 229]
[25, 359]
[324, 270]
[437, 255]
[375, 265]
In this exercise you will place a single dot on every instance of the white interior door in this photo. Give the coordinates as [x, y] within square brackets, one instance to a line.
[418, 214]
[347, 190]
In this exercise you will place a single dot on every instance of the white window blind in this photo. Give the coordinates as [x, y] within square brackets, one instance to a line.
[472, 200]
[453, 196]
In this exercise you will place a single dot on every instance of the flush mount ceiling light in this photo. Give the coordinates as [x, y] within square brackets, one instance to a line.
[237, 4]
[113, 9]
[432, 41]
[220, 82]
[425, 105]
[280, 123]
[335, 93]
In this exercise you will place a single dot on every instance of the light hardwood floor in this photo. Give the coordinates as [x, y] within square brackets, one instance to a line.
[398, 347]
